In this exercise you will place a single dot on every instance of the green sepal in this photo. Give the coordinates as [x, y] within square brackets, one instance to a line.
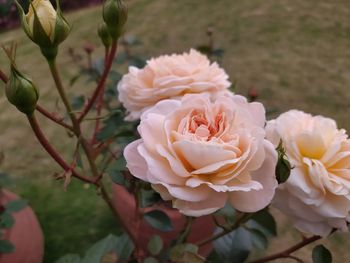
[50, 53]
[104, 35]
[24, 22]
[62, 28]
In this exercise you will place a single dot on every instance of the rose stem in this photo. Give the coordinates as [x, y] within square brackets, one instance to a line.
[100, 102]
[56, 156]
[53, 118]
[52, 152]
[101, 83]
[86, 146]
[3, 77]
[76, 125]
[243, 218]
[286, 253]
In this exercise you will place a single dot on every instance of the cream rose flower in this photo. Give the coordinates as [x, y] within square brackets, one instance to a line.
[201, 154]
[169, 77]
[317, 194]
[46, 14]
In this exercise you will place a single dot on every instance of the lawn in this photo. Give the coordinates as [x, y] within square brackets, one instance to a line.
[296, 53]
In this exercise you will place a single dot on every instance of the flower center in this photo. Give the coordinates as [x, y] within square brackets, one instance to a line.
[204, 128]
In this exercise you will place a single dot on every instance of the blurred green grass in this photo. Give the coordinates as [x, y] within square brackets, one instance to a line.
[296, 53]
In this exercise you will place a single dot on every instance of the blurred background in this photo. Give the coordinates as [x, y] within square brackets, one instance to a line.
[290, 53]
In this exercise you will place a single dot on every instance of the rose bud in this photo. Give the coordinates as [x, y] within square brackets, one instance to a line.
[44, 25]
[115, 15]
[103, 33]
[21, 92]
[283, 167]
[253, 94]
[89, 48]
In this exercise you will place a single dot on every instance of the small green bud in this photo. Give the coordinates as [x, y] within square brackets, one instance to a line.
[283, 167]
[21, 92]
[115, 15]
[44, 25]
[103, 33]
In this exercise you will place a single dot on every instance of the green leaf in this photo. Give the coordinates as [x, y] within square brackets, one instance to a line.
[228, 212]
[150, 260]
[112, 126]
[124, 248]
[235, 246]
[264, 221]
[149, 198]
[189, 257]
[116, 169]
[6, 220]
[259, 239]
[100, 249]
[69, 258]
[155, 245]
[320, 254]
[177, 252]
[214, 257]
[117, 177]
[78, 102]
[6, 247]
[159, 220]
[16, 206]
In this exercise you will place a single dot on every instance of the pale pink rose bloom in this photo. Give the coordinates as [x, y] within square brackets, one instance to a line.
[200, 154]
[317, 194]
[170, 77]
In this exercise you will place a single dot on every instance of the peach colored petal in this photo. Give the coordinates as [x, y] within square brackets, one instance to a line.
[199, 155]
[170, 77]
[258, 199]
[135, 163]
[158, 169]
[204, 207]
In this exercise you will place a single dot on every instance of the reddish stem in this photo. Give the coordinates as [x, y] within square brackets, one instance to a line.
[3, 77]
[53, 118]
[286, 253]
[101, 83]
[53, 153]
[99, 105]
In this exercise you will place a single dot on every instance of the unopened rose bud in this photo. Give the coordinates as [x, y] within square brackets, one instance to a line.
[103, 33]
[115, 15]
[21, 92]
[44, 25]
[283, 167]
[253, 94]
[89, 48]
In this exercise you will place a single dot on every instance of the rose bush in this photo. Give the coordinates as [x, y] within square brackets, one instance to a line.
[199, 154]
[169, 77]
[317, 194]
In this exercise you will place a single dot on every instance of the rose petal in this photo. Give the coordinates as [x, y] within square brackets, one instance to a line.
[258, 199]
[206, 207]
[135, 162]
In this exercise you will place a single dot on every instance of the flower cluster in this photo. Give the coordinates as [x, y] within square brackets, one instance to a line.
[201, 146]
